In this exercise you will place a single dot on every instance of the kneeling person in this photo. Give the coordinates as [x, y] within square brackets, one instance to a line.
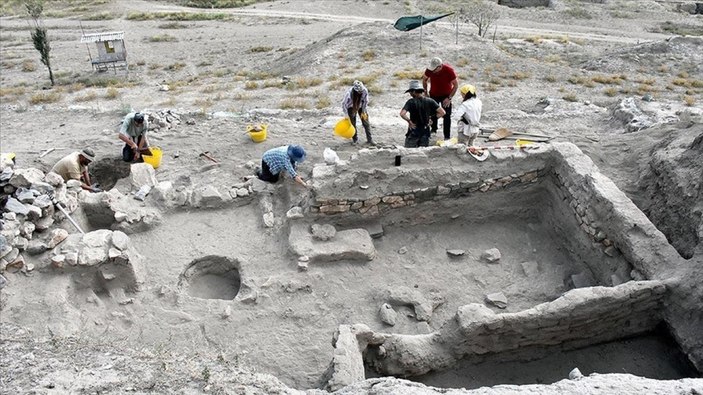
[280, 159]
[133, 133]
[75, 167]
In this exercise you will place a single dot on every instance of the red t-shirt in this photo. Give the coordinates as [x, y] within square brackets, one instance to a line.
[441, 81]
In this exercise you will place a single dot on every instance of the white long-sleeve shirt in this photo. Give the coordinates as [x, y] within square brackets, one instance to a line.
[470, 111]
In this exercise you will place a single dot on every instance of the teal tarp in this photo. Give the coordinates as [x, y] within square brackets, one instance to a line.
[413, 22]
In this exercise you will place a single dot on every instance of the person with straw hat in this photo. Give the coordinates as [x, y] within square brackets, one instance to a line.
[355, 101]
[74, 166]
[469, 115]
[417, 112]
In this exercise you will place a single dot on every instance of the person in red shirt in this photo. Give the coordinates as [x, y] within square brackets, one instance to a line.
[443, 85]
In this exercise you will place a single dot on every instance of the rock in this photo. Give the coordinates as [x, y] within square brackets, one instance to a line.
[36, 247]
[11, 256]
[581, 280]
[113, 253]
[303, 266]
[58, 261]
[610, 251]
[295, 213]
[242, 192]
[227, 312]
[73, 184]
[142, 174]
[6, 174]
[323, 232]
[21, 243]
[304, 258]
[375, 229]
[497, 299]
[42, 201]
[455, 253]
[14, 205]
[403, 250]
[92, 256]
[27, 229]
[411, 297]
[531, 268]
[352, 244]
[269, 220]
[33, 212]
[491, 256]
[10, 216]
[53, 179]
[26, 177]
[142, 193]
[120, 216]
[28, 266]
[98, 238]
[18, 262]
[629, 114]
[44, 223]
[208, 197]
[25, 195]
[387, 314]
[120, 240]
[575, 374]
[56, 237]
[3, 281]
[72, 258]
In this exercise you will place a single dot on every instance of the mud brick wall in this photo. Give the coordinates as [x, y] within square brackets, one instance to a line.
[580, 317]
[608, 217]
[370, 184]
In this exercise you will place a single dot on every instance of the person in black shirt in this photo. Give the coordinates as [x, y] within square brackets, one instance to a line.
[418, 113]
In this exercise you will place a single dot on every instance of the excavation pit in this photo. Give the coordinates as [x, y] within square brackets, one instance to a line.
[212, 277]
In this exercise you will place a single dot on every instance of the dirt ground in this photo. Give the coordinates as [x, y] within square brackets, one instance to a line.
[556, 71]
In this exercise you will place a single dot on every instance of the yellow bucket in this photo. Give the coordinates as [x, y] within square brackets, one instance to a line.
[522, 143]
[344, 128]
[257, 132]
[155, 158]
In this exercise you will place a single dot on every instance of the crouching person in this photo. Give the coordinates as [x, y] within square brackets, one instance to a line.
[133, 133]
[469, 115]
[75, 167]
[281, 159]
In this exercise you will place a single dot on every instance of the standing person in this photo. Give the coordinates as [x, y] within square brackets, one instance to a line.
[443, 85]
[469, 114]
[74, 166]
[355, 101]
[417, 112]
[133, 133]
[281, 159]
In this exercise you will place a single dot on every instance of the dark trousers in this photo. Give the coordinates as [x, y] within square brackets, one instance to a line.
[265, 173]
[364, 123]
[128, 152]
[418, 137]
[446, 119]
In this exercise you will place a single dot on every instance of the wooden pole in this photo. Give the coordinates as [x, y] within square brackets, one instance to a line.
[421, 20]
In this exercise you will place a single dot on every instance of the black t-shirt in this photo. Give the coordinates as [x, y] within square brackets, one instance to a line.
[421, 109]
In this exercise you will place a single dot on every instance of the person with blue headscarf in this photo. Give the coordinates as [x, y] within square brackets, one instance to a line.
[281, 159]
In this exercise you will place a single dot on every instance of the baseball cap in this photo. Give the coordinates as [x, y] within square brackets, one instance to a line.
[435, 62]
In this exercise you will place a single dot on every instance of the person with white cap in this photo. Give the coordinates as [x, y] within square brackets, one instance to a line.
[281, 159]
[443, 84]
[133, 133]
[417, 112]
[355, 101]
[74, 166]
[469, 115]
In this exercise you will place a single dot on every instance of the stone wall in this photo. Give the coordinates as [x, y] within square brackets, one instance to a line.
[369, 185]
[580, 317]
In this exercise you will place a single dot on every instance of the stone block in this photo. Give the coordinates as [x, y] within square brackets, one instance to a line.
[323, 232]
[26, 177]
[352, 244]
[142, 174]
[491, 255]
[387, 314]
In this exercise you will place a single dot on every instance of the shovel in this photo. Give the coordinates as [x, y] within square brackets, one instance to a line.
[63, 210]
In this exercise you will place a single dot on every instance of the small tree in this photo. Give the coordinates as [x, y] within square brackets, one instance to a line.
[480, 13]
[40, 38]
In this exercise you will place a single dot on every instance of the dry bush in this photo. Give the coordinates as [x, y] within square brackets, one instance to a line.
[141, 62]
[682, 74]
[170, 102]
[209, 89]
[173, 25]
[534, 39]
[161, 38]
[302, 83]
[553, 58]
[29, 66]
[570, 97]
[368, 55]
[75, 87]
[12, 91]
[375, 89]
[689, 100]
[461, 62]
[101, 16]
[697, 83]
[175, 66]
[409, 74]
[260, 49]
[241, 96]
[646, 81]
[272, 83]
[608, 80]
[45, 97]
[322, 102]
[294, 103]
[90, 96]
[520, 75]
[251, 85]
[112, 93]
[491, 88]
[663, 69]
[551, 78]
[681, 82]
[610, 91]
